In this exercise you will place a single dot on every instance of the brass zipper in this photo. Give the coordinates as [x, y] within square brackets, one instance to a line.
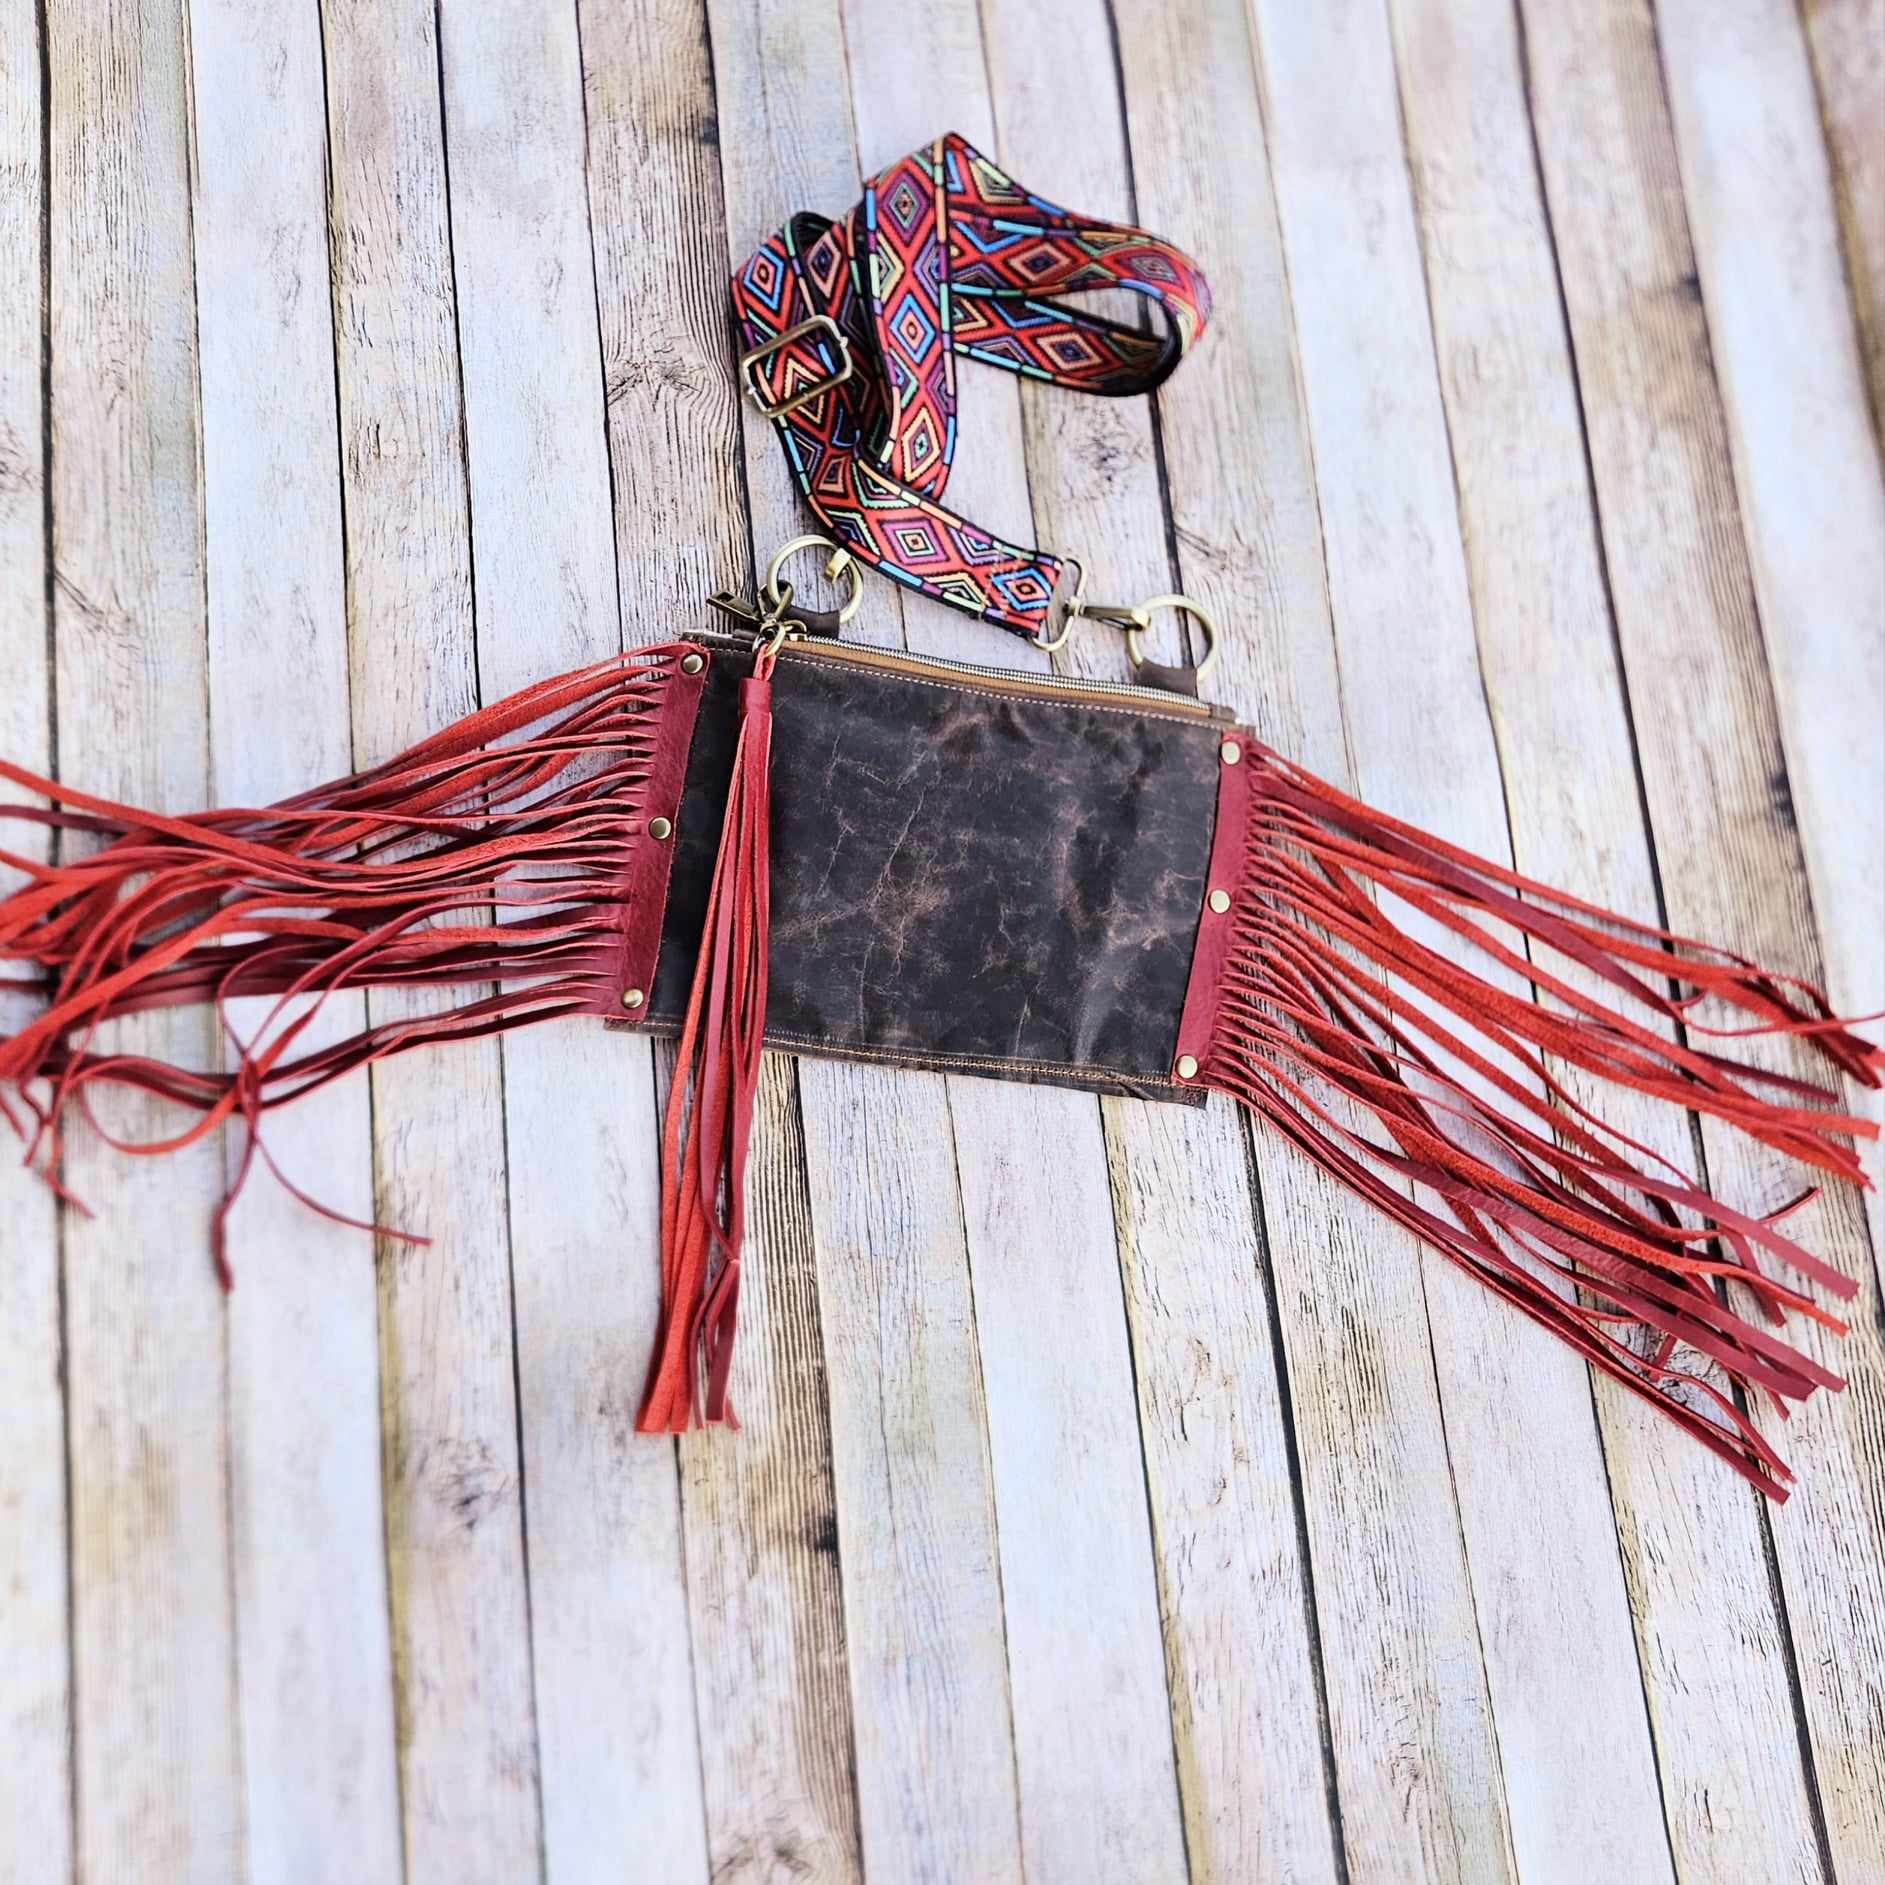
[1018, 681]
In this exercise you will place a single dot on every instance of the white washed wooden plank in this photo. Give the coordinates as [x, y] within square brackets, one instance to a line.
[1094, 1760]
[759, 1509]
[1219, 1470]
[916, 1514]
[659, 228]
[1415, 1769]
[606, 1579]
[315, 1669]
[1812, 501]
[579, 1102]
[930, 1740]
[153, 1648]
[1727, 842]
[1566, 1693]
[658, 257]
[35, 1718]
[455, 1571]
[1806, 458]
[1099, 1796]
[1846, 39]
[1734, 1794]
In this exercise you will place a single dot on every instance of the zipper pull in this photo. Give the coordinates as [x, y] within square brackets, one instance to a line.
[744, 613]
[770, 627]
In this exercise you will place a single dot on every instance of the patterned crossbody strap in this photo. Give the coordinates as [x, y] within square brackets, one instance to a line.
[851, 330]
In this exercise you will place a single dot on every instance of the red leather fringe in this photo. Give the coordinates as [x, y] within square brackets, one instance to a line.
[1326, 1005]
[710, 1105]
[492, 852]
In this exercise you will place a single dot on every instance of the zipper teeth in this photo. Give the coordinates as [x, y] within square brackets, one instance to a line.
[1047, 683]
[1060, 683]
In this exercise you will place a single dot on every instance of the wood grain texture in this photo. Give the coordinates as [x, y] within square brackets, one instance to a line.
[909, 1544]
[1716, 784]
[647, 97]
[1710, 1636]
[1413, 1761]
[758, 1513]
[1561, 1670]
[579, 1102]
[1846, 39]
[1806, 464]
[1812, 497]
[314, 1669]
[1219, 1469]
[1115, 1498]
[1094, 1762]
[153, 1647]
[35, 1666]
[762, 1560]
[466, 1748]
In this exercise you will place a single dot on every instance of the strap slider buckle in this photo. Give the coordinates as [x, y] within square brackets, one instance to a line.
[819, 323]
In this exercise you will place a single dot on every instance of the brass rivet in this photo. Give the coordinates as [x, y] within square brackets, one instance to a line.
[660, 828]
[1187, 1067]
[632, 998]
[1220, 901]
[692, 664]
[1230, 752]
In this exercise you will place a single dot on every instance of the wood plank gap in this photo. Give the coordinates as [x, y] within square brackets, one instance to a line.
[1188, 1226]
[38, 1826]
[1668, 510]
[1503, 762]
[1846, 50]
[145, 1336]
[1063, 1422]
[764, 1595]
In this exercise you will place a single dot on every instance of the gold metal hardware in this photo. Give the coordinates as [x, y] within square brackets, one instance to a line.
[660, 828]
[692, 664]
[632, 998]
[770, 619]
[1220, 901]
[1076, 604]
[819, 323]
[1135, 618]
[751, 619]
[1187, 1067]
[840, 563]
[1230, 752]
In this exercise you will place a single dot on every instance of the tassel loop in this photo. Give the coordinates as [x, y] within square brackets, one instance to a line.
[710, 1105]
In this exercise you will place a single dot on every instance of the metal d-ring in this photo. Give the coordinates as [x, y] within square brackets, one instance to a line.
[1140, 621]
[840, 563]
[1136, 618]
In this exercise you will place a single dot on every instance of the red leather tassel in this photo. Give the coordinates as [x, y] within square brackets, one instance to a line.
[710, 1107]
[1317, 1009]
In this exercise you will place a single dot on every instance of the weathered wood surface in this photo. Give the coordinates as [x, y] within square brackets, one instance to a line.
[1116, 1500]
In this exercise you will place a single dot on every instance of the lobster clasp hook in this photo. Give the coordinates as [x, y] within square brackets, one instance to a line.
[775, 616]
[1135, 618]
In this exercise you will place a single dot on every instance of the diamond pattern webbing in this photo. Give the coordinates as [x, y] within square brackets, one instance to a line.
[946, 255]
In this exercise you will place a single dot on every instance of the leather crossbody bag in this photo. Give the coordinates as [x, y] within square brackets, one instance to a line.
[759, 835]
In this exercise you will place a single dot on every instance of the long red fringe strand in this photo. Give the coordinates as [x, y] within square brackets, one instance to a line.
[1329, 1005]
[491, 853]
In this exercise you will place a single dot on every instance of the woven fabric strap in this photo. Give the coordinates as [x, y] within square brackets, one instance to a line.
[850, 332]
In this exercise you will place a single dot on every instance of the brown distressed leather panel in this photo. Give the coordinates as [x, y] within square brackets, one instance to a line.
[961, 877]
